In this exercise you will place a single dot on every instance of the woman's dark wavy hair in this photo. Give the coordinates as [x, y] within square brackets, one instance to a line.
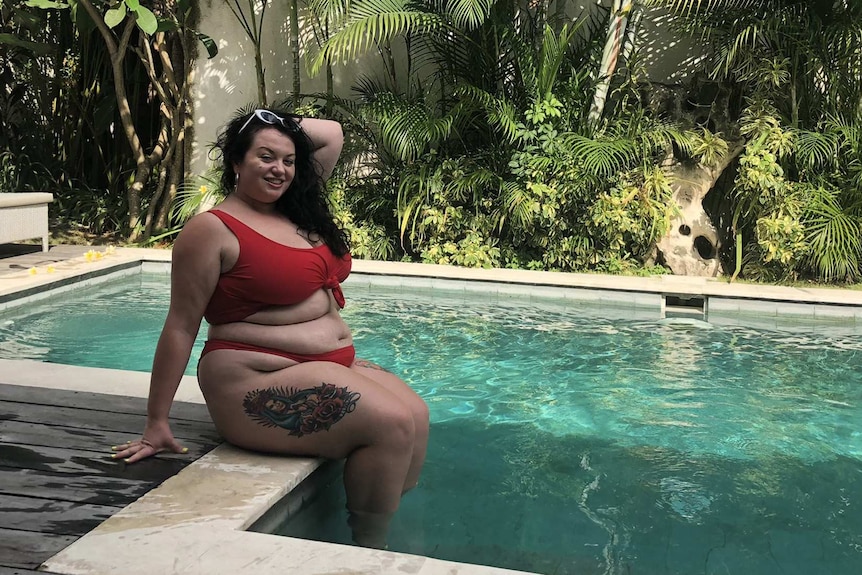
[304, 202]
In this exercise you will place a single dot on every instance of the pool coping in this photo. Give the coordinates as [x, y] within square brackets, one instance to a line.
[195, 521]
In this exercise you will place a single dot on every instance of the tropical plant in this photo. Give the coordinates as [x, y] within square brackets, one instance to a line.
[505, 168]
[162, 41]
[28, 60]
[797, 192]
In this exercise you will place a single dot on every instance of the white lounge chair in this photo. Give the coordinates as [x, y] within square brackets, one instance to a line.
[24, 215]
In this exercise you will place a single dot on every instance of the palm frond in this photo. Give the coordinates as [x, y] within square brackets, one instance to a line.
[816, 149]
[516, 201]
[501, 114]
[834, 237]
[602, 157]
[414, 192]
[331, 10]
[195, 194]
[692, 7]
[372, 22]
[468, 14]
[552, 54]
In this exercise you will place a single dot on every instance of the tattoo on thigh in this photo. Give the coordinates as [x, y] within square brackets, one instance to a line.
[300, 411]
[368, 364]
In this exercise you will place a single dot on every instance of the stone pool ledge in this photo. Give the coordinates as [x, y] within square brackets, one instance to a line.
[37, 282]
[194, 523]
[667, 284]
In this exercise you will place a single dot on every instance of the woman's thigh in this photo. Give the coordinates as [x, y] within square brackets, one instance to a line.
[394, 384]
[314, 408]
[385, 378]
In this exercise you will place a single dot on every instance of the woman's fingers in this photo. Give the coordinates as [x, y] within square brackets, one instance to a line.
[133, 451]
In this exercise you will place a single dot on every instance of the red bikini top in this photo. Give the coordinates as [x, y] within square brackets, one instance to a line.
[268, 273]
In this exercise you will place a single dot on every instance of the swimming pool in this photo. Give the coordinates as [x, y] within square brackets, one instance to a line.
[115, 324]
[563, 442]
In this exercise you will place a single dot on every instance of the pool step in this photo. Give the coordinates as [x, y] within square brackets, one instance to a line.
[684, 306]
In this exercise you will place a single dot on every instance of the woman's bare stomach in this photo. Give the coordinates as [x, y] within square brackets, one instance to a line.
[309, 328]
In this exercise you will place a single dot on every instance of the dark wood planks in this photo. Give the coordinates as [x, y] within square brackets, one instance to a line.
[57, 478]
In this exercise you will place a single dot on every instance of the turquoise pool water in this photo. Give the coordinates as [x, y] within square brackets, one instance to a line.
[567, 443]
[115, 325]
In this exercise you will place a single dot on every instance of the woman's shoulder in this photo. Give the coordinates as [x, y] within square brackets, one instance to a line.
[201, 231]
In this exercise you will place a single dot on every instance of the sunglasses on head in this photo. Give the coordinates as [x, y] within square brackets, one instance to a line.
[268, 117]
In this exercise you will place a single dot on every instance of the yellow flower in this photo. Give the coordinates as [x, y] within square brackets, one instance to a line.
[203, 190]
[32, 271]
[90, 255]
[50, 269]
[109, 250]
[99, 255]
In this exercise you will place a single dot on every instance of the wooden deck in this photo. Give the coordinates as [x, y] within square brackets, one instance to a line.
[57, 478]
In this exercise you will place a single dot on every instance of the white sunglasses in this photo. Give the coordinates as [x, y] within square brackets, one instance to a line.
[268, 117]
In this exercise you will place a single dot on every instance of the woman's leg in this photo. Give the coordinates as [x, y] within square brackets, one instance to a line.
[317, 409]
[416, 405]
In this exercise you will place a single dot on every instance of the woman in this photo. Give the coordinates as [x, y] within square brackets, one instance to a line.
[278, 371]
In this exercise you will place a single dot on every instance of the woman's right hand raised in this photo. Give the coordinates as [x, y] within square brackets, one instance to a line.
[156, 439]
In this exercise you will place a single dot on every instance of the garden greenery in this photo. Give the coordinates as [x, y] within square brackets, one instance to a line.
[478, 147]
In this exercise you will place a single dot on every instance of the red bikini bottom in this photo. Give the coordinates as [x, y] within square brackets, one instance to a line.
[344, 355]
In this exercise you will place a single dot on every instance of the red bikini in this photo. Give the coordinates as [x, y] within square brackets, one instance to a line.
[268, 273]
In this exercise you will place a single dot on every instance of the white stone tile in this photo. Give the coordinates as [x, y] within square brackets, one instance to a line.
[582, 294]
[723, 305]
[795, 310]
[448, 285]
[763, 308]
[395, 283]
[835, 312]
[619, 298]
[418, 284]
[543, 293]
[652, 301]
[513, 291]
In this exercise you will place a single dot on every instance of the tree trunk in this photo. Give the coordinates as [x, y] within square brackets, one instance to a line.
[294, 49]
[613, 43]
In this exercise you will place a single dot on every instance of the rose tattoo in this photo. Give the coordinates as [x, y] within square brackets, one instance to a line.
[300, 411]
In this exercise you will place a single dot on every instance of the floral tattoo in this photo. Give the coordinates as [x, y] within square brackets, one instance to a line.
[300, 411]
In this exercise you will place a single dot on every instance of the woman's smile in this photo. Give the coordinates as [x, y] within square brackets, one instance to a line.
[270, 161]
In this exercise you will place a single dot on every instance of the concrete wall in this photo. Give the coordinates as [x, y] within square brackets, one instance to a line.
[227, 82]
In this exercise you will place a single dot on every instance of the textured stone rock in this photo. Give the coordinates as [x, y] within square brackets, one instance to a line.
[691, 245]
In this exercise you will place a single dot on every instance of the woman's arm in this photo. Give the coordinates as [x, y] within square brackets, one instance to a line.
[327, 138]
[195, 269]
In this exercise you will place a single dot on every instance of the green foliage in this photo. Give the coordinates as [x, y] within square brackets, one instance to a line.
[196, 194]
[803, 226]
[833, 232]
[96, 211]
[367, 240]
[504, 169]
[798, 66]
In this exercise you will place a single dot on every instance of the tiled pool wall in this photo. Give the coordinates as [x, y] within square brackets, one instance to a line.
[630, 304]
[295, 499]
[613, 302]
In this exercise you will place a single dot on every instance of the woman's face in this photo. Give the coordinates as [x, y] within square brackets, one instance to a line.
[267, 169]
